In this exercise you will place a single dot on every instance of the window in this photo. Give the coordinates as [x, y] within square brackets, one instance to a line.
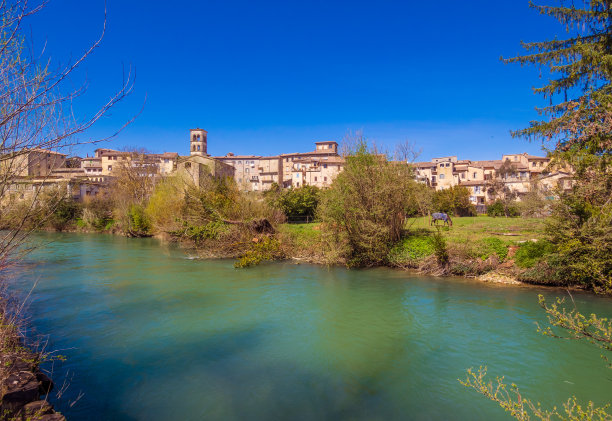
[297, 175]
[325, 179]
[324, 165]
[239, 162]
[433, 178]
[447, 165]
[533, 164]
[110, 167]
[198, 137]
[463, 175]
[198, 148]
[193, 148]
[246, 170]
[476, 189]
[315, 178]
[166, 160]
[441, 176]
[194, 138]
[442, 165]
[474, 175]
[329, 146]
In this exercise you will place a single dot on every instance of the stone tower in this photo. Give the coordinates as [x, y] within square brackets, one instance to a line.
[198, 142]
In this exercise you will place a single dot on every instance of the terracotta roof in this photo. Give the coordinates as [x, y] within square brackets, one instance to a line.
[236, 157]
[487, 164]
[473, 183]
[423, 164]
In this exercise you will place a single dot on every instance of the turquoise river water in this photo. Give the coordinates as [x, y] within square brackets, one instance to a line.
[151, 334]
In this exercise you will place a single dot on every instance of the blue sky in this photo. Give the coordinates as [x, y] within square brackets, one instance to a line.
[275, 76]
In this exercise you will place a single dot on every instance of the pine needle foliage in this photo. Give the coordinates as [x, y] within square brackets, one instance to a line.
[581, 68]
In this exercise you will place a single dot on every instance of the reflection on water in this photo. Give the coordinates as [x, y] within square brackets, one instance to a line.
[152, 335]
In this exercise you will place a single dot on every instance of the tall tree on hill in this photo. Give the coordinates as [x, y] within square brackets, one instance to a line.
[580, 124]
[581, 65]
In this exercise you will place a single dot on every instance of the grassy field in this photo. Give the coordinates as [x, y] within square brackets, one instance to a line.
[479, 227]
[463, 229]
[468, 238]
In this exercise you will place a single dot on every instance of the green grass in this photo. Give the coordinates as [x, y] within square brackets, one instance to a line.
[303, 235]
[469, 238]
[477, 228]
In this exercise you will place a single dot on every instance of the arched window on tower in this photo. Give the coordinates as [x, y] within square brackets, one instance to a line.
[193, 148]
[194, 138]
[198, 148]
[198, 138]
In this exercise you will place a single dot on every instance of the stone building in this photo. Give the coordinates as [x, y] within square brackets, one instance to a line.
[258, 173]
[32, 162]
[519, 173]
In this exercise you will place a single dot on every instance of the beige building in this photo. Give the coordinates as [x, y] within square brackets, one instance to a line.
[327, 149]
[32, 162]
[258, 173]
[317, 171]
[519, 174]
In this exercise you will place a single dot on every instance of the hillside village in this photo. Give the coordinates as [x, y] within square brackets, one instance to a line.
[37, 169]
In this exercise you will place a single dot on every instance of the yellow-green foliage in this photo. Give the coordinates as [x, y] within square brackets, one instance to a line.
[267, 248]
[166, 204]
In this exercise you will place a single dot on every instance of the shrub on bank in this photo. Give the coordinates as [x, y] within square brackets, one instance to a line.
[531, 252]
[411, 250]
[500, 208]
[492, 246]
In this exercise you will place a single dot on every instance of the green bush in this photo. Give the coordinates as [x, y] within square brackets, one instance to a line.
[454, 201]
[440, 248]
[139, 224]
[198, 233]
[267, 248]
[65, 212]
[492, 246]
[411, 250]
[295, 202]
[501, 208]
[530, 253]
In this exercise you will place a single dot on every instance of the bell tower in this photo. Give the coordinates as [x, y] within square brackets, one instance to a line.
[198, 142]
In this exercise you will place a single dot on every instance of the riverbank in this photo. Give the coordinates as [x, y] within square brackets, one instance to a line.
[491, 249]
[501, 250]
[22, 382]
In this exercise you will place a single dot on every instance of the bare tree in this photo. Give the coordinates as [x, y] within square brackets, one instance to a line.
[36, 106]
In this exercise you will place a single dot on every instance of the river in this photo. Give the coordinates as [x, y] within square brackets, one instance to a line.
[151, 334]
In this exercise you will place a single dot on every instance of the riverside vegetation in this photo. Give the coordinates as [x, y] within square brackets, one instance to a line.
[373, 215]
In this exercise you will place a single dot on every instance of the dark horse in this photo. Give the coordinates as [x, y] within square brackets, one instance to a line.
[439, 216]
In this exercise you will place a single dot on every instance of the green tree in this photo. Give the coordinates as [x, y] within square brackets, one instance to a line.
[363, 213]
[581, 66]
[295, 202]
[454, 200]
[580, 125]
